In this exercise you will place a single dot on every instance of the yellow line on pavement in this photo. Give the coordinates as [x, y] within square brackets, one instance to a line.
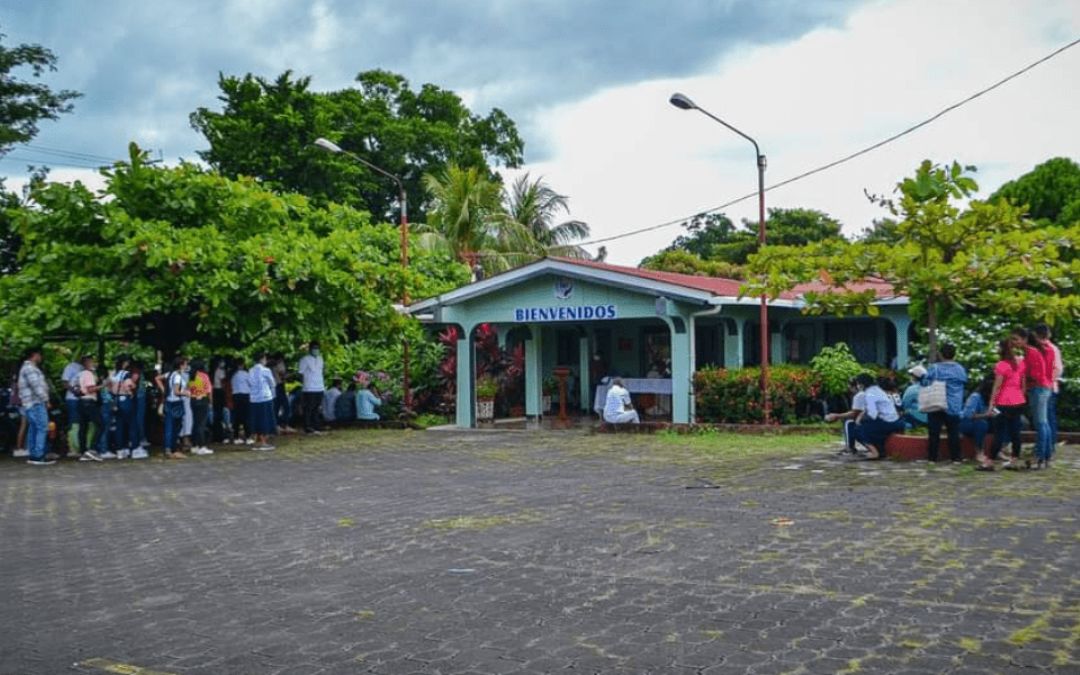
[120, 668]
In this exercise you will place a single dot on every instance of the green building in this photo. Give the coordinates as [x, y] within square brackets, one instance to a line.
[600, 319]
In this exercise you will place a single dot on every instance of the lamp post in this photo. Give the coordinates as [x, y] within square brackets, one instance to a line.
[330, 146]
[683, 102]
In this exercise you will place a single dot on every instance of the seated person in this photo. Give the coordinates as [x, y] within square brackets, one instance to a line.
[345, 405]
[975, 418]
[852, 417]
[618, 409]
[881, 417]
[366, 402]
[912, 416]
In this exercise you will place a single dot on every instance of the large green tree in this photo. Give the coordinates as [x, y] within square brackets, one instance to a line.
[947, 257]
[171, 256]
[1049, 193]
[266, 129]
[24, 103]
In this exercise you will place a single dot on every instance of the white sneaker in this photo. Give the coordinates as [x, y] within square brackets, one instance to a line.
[124, 454]
[89, 456]
[227, 441]
[108, 454]
[263, 448]
[144, 444]
[40, 462]
[21, 452]
[202, 451]
[249, 441]
[139, 453]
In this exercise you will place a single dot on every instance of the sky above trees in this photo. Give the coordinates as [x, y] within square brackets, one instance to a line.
[588, 87]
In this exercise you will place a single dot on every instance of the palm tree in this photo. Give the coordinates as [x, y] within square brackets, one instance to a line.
[535, 206]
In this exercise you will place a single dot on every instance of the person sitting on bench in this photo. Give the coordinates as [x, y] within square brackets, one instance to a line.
[618, 409]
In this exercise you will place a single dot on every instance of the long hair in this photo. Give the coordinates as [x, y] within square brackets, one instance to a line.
[1005, 353]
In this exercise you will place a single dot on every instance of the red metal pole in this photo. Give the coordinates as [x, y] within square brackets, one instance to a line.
[764, 320]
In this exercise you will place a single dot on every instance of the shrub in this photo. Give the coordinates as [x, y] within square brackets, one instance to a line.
[734, 396]
[836, 365]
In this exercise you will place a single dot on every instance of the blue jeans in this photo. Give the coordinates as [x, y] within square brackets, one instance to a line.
[174, 419]
[37, 431]
[138, 433]
[125, 423]
[105, 435]
[1051, 417]
[1040, 406]
[976, 430]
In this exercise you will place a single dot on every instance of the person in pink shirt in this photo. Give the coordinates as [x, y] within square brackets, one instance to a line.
[1042, 333]
[1039, 364]
[1006, 405]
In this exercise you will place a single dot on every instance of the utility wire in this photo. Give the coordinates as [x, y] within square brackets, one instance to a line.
[40, 160]
[69, 153]
[847, 158]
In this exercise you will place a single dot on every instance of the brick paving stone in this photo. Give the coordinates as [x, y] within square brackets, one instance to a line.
[434, 552]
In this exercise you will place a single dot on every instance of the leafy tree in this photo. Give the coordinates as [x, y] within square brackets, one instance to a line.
[534, 205]
[1050, 192]
[714, 237]
[266, 130]
[985, 257]
[703, 232]
[24, 103]
[171, 256]
[684, 262]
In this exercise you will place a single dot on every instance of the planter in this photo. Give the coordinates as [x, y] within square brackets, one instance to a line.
[545, 403]
[485, 410]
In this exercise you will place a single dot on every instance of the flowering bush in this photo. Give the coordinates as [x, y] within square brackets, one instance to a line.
[734, 396]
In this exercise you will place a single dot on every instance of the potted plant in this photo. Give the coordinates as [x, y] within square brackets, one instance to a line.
[550, 387]
[486, 388]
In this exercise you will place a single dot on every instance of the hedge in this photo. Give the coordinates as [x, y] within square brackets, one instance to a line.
[734, 396]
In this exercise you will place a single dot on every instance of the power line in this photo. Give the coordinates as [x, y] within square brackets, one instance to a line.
[69, 153]
[41, 160]
[846, 158]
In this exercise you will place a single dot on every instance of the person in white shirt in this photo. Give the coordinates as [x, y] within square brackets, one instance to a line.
[311, 369]
[263, 424]
[71, 401]
[330, 400]
[881, 418]
[241, 398]
[618, 409]
[852, 417]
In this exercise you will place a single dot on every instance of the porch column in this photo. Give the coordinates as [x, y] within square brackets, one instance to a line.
[733, 343]
[533, 373]
[681, 370]
[880, 345]
[777, 346]
[584, 359]
[466, 373]
[902, 323]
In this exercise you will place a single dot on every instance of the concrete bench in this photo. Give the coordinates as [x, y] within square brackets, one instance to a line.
[910, 447]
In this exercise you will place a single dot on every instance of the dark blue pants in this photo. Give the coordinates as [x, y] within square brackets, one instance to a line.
[125, 423]
[174, 419]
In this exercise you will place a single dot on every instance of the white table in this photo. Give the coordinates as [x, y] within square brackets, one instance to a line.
[644, 385]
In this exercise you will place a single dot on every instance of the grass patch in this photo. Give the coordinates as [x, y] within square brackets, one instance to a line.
[364, 615]
[969, 645]
[1029, 633]
[732, 445]
[345, 522]
[478, 523]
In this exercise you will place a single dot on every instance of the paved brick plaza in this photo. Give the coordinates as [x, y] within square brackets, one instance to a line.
[442, 552]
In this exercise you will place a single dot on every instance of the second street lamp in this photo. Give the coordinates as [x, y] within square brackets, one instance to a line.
[330, 146]
[683, 102]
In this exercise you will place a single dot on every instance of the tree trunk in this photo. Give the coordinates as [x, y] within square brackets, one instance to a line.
[931, 329]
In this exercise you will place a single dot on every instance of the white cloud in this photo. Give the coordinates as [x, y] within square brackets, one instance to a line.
[628, 159]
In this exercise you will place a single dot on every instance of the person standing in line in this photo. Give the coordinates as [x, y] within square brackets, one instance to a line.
[15, 402]
[241, 396]
[217, 400]
[137, 434]
[34, 397]
[311, 369]
[71, 401]
[87, 388]
[330, 400]
[1040, 375]
[122, 390]
[282, 406]
[200, 392]
[175, 392]
[881, 418]
[1006, 405]
[262, 403]
[955, 377]
[1042, 333]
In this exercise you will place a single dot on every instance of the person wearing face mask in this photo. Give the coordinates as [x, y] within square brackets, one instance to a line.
[311, 369]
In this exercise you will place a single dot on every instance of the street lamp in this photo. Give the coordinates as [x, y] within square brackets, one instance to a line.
[683, 102]
[330, 146]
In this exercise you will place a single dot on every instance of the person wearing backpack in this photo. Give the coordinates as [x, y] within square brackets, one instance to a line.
[34, 397]
[122, 389]
[71, 401]
[174, 391]
[955, 377]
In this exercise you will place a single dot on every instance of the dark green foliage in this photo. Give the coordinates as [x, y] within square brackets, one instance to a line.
[734, 396]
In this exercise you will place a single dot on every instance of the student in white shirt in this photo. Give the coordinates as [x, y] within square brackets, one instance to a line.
[263, 424]
[241, 398]
[311, 369]
[880, 420]
[618, 408]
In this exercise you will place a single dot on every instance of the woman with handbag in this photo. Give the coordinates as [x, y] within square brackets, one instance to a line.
[947, 377]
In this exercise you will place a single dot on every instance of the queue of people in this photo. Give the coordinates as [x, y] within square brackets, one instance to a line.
[1025, 380]
[226, 401]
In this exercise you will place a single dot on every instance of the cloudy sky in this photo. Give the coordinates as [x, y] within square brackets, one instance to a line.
[588, 83]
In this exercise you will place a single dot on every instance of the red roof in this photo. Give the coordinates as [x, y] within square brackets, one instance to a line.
[722, 286]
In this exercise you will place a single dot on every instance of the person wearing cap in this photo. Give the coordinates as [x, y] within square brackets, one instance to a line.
[909, 402]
